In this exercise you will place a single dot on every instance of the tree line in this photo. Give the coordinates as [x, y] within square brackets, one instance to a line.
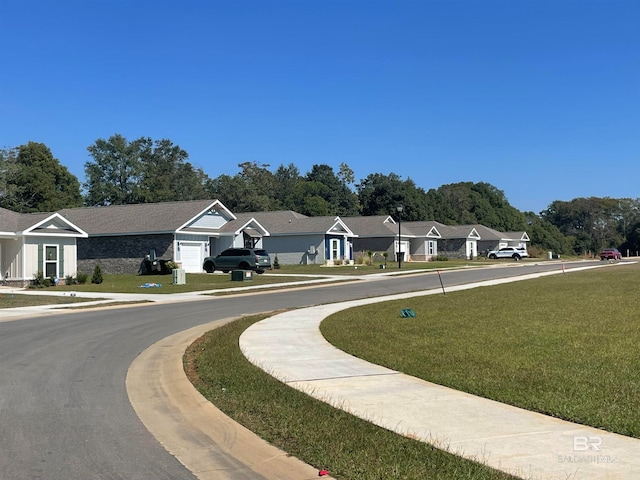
[148, 171]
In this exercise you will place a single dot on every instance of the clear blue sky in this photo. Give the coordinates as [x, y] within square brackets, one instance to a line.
[540, 98]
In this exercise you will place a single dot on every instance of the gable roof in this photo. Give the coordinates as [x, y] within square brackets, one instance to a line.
[288, 222]
[374, 226]
[14, 224]
[165, 217]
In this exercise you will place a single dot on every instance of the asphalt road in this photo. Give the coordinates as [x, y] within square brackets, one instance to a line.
[64, 410]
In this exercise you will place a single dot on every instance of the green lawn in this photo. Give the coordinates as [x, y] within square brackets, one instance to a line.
[565, 345]
[14, 300]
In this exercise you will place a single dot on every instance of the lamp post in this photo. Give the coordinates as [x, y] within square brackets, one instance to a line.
[399, 209]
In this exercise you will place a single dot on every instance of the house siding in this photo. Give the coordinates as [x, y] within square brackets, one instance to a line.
[289, 250]
[122, 254]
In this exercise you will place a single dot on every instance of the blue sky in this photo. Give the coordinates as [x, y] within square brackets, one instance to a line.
[540, 98]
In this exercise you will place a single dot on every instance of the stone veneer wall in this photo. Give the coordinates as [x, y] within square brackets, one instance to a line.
[121, 254]
[453, 248]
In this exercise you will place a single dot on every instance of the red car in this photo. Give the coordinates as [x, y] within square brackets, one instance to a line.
[610, 254]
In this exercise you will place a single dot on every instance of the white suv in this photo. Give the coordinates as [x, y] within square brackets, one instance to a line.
[509, 252]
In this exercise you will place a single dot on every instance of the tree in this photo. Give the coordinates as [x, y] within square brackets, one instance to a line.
[8, 178]
[141, 171]
[287, 178]
[380, 195]
[251, 190]
[113, 177]
[336, 193]
[467, 203]
[593, 222]
[32, 180]
[165, 175]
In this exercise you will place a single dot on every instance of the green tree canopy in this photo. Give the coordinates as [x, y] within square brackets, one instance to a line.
[141, 171]
[380, 195]
[32, 180]
[113, 177]
[341, 200]
[468, 203]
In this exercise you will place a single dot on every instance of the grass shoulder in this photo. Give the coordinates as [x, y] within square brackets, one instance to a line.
[309, 429]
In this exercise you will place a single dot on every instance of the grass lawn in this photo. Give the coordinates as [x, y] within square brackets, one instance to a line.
[565, 345]
[13, 300]
[325, 437]
[130, 283]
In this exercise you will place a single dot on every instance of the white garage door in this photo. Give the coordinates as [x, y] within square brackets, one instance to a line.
[191, 257]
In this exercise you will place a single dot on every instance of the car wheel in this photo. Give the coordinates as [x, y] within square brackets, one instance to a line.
[493, 256]
[209, 267]
[225, 271]
[259, 271]
[516, 257]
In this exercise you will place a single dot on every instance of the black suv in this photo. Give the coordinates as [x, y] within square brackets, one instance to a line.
[255, 259]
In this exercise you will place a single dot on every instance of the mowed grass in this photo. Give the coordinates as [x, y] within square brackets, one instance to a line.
[322, 436]
[130, 283]
[15, 300]
[565, 345]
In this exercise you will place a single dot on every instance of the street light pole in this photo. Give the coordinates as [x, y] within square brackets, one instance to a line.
[399, 208]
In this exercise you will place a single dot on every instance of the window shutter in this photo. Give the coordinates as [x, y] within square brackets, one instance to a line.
[61, 262]
[40, 258]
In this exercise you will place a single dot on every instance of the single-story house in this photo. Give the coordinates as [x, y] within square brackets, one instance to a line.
[37, 242]
[298, 239]
[120, 237]
[423, 240]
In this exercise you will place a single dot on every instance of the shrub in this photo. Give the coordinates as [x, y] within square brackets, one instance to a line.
[276, 263]
[439, 258]
[171, 265]
[39, 281]
[82, 277]
[97, 275]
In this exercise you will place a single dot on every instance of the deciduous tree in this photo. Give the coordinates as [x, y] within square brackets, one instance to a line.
[35, 181]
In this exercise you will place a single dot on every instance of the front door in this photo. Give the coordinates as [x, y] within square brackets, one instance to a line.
[334, 249]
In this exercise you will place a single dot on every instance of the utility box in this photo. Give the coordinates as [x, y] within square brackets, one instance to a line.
[241, 275]
[179, 276]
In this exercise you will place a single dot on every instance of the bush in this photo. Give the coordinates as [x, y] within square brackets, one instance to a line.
[97, 275]
[439, 258]
[171, 265]
[39, 281]
[276, 263]
[82, 277]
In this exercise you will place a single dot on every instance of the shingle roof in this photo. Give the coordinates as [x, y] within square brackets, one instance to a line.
[19, 222]
[373, 226]
[284, 222]
[164, 217]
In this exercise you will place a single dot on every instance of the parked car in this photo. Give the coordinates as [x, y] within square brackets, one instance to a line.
[509, 252]
[610, 254]
[255, 259]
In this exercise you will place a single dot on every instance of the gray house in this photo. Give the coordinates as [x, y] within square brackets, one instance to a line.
[298, 239]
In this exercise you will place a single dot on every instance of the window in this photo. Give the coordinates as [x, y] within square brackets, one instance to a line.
[431, 247]
[51, 261]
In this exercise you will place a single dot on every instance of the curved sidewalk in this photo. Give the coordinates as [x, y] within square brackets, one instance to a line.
[290, 347]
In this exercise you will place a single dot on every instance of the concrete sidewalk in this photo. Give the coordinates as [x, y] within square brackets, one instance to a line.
[290, 347]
